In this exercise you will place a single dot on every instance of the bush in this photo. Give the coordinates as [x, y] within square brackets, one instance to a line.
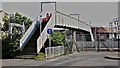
[58, 39]
[10, 48]
[40, 57]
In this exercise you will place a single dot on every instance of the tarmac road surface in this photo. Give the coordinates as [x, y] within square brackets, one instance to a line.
[77, 59]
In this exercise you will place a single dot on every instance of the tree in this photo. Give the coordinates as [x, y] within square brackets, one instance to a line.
[10, 46]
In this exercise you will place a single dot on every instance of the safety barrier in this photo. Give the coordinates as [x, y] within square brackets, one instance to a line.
[52, 52]
[68, 21]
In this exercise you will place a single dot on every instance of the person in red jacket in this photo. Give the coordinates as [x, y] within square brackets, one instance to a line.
[45, 20]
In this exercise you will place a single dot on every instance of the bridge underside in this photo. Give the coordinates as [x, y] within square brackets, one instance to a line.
[75, 29]
[79, 32]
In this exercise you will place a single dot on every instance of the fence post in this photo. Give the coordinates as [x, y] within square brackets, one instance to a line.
[83, 41]
[74, 40]
[98, 43]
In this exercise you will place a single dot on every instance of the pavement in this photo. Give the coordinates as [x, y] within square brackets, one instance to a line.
[76, 59]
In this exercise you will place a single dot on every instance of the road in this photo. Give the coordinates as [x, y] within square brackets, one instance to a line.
[77, 59]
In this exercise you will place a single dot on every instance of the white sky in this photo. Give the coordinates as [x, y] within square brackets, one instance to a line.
[60, 0]
[0, 5]
[99, 13]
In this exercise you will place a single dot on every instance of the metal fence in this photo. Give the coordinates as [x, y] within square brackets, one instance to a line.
[84, 44]
[89, 45]
[81, 44]
[52, 52]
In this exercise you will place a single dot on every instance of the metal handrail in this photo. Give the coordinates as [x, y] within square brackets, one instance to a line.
[15, 24]
[71, 17]
[26, 34]
[43, 36]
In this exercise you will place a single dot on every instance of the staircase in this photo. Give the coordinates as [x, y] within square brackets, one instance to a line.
[32, 41]
[28, 34]
[30, 47]
[43, 36]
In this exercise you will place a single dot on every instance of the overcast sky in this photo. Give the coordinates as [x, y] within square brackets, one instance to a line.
[99, 13]
[0, 5]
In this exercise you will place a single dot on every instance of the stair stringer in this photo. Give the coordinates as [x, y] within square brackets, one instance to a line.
[43, 36]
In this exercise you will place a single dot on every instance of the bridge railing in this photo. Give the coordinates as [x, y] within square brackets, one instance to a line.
[68, 21]
[27, 33]
[43, 36]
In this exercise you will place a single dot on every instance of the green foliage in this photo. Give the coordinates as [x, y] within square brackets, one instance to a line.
[6, 24]
[5, 19]
[5, 46]
[16, 18]
[40, 57]
[58, 39]
[27, 23]
[5, 27]
[10, 46]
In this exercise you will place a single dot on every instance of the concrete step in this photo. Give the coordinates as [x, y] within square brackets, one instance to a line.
[25, 57]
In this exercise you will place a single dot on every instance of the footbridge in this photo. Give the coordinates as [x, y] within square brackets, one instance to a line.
[58, 19]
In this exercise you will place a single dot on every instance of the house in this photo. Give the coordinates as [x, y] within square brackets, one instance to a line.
[103, 33]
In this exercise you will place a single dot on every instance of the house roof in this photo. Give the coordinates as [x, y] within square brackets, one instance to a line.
[1, 11]
[102, 30]
[4, 12]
